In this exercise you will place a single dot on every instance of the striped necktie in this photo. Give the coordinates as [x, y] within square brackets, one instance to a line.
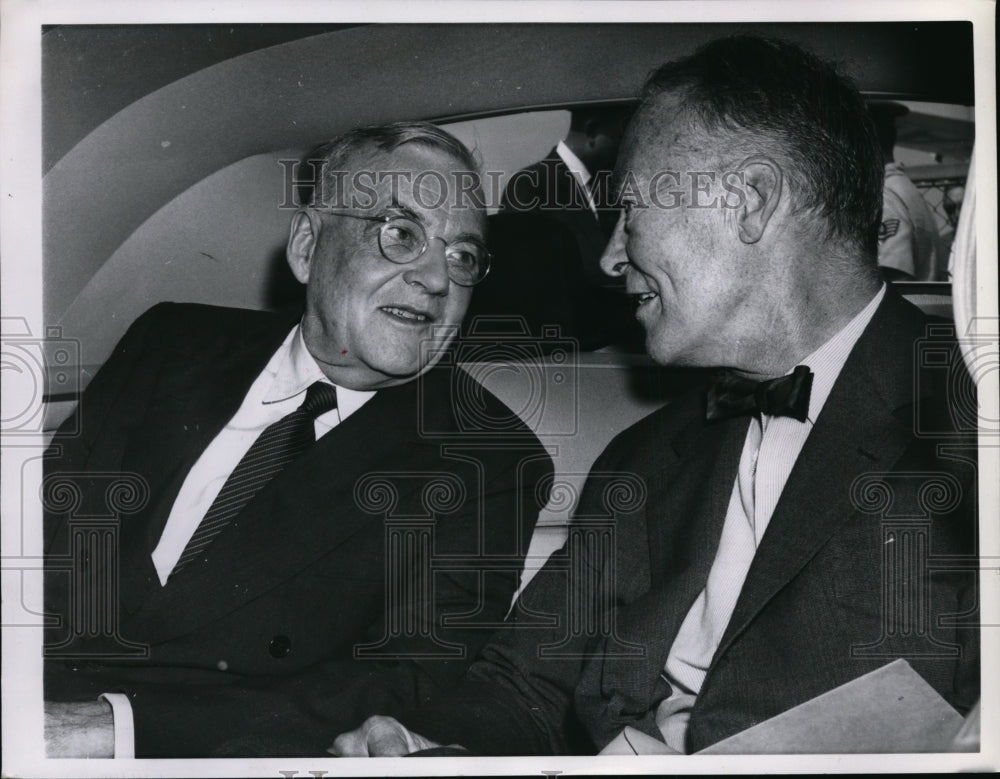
[275, 448]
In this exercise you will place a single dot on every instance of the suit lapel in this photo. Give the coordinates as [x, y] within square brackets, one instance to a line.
[690, 486]
[199, 391]
[860, 430]
[306, 511]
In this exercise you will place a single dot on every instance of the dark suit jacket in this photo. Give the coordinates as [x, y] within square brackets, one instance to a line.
[547, 245]
[256, 651]
[548, 187]
[870, 555]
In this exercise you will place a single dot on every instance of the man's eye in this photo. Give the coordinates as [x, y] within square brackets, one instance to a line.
[402, 233]
[464, 257]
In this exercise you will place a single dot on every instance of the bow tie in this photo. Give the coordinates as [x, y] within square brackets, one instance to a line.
[787, 396]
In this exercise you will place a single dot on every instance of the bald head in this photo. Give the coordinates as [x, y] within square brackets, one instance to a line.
[742, 250]
[749, 95]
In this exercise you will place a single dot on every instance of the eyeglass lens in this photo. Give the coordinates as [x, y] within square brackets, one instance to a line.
[403, 240]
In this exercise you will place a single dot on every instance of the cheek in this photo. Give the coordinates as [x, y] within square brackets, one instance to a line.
[635, 246]
[363, 291]
[334, 299]
[655, 244]
[343, 300]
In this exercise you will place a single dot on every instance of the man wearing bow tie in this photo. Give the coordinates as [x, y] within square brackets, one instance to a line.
[786, 540]
[293, 477]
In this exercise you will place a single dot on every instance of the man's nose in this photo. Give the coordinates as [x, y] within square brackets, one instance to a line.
[430, 269]
[614, 261]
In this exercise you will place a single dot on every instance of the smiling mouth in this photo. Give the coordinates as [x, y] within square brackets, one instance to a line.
[408, 315]
[642, 298]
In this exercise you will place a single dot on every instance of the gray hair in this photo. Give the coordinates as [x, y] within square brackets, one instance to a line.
[322, 164]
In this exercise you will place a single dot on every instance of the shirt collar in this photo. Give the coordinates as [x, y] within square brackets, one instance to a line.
[828, 360]
[575, 165]
[294, 369]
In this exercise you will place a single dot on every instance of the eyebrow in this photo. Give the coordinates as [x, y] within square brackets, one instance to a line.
[404, 211]
[411, 214]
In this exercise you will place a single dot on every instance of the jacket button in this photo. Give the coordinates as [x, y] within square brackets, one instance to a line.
[279, 647]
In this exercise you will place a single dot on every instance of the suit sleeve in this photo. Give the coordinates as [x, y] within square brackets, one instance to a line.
[196, 714]
[518, 697]
[70, 450]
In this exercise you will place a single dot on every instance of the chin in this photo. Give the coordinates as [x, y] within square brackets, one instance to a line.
[656, 347]
[659, 357]
[397, 364]
[398, 370]
[662, 351]
[403, 361]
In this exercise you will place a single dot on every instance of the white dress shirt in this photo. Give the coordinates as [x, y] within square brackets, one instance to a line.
[770, 450]
[276, 392]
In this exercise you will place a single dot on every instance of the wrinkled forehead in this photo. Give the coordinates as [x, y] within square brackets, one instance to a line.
[663, 135]
[413, 176]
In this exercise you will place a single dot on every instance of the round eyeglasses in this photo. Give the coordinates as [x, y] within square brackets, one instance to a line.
[402, 240]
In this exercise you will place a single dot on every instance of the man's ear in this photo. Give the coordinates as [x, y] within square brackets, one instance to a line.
[762, 184]
[302, 237]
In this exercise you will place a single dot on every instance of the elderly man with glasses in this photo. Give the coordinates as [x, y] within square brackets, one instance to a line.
[297, 476]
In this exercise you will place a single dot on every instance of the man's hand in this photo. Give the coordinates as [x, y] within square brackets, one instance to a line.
[379, 737]
[79, 729]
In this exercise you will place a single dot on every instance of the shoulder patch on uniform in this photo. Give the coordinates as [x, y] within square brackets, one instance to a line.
[887, 229]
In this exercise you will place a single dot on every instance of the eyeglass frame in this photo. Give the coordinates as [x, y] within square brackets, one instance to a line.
[387, 218]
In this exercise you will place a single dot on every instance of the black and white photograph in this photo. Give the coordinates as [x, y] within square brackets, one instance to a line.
[483, 388]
